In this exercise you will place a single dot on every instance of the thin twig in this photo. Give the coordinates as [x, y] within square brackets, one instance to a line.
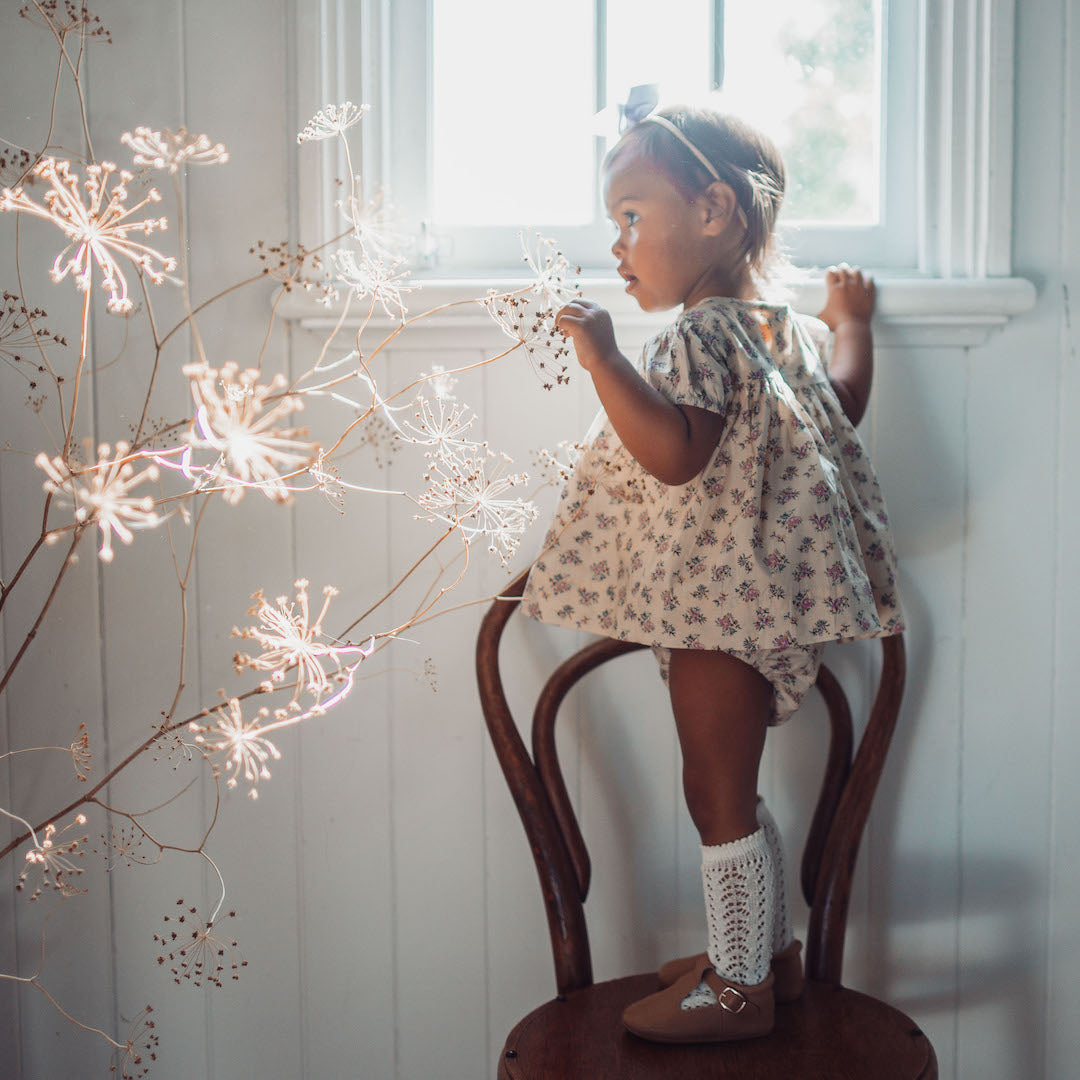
[64, 567]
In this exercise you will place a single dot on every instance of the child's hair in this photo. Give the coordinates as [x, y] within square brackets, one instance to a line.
[744, 158]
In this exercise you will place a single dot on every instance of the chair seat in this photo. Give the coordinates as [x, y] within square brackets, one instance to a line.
[830, 1033]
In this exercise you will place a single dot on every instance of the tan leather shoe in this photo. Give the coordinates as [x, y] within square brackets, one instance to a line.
[786, 968]
[702, 1007]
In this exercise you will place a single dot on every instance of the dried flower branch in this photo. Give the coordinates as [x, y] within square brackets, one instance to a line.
[240, 434]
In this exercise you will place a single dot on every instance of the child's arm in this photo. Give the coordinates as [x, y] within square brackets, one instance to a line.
[849, 305]
[672, 442]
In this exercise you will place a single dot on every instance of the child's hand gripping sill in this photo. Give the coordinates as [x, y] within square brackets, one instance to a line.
[849, 307]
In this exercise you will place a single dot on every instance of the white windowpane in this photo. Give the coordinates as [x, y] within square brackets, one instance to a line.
[808, 73]
[513, 95]
[512, 112]
[669, 43]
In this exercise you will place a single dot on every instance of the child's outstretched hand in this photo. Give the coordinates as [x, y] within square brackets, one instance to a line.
[588, 325]
[849, 296]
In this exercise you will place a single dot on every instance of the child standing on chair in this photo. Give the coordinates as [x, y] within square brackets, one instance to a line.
[725, 513]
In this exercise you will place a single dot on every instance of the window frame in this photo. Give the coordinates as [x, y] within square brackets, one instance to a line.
[960, 55]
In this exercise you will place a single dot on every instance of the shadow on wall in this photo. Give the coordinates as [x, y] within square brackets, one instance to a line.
[1003, 985]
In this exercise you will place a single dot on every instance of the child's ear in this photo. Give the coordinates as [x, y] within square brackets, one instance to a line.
[721, 206]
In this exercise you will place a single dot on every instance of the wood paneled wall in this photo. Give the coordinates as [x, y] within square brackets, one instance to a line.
[386, 898]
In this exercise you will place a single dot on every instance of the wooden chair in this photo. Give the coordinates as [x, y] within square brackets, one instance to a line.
[830, 1033]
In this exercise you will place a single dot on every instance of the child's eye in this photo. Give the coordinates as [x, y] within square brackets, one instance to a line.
[627, 219]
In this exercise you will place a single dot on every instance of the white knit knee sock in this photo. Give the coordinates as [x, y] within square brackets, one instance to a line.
[782, 934]
[739, 907]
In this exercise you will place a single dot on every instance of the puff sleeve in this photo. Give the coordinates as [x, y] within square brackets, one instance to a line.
[819, 334]
[688, 368]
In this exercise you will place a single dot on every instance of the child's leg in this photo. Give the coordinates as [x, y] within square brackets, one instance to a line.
[722, 708]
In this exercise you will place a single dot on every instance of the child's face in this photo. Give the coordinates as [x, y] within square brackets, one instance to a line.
[662, 247]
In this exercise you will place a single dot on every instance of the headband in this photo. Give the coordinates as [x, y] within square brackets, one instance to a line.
[667, 125]
[664, 122]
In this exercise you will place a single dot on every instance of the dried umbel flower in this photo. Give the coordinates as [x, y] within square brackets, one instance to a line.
[64, 16]
[236, 747]
[441, 425]
[15, 163]
[20, 331]
[80, 753]
[332, 120]
[133, 1060]
[196, 951]
[535, 331]
[550, 270]
[98, 229]
[125, 845]
[463, 495]
[233, 419]
[50, 861]
[374, 277]
[173, 150]
[556, 466]
[383, 439]
[327, 480]
[102, 494]
[288, 266]
[372, 225]
[531, 323]
[290, 638]
[441, 382]
[430, 675]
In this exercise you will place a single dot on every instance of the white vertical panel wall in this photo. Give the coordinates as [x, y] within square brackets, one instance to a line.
[386, 898]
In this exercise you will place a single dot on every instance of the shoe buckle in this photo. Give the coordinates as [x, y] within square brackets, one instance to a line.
[730, 999]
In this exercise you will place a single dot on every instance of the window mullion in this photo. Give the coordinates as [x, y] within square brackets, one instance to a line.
[718, 45]
[600, 43]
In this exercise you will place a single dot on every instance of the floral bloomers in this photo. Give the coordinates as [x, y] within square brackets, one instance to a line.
[781, 541]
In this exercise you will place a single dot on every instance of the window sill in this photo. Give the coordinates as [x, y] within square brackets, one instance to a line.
[913, 312]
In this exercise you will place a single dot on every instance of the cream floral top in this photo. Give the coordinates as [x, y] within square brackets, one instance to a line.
[783, 537]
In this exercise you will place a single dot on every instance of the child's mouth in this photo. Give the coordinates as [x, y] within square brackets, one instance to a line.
[629, 278]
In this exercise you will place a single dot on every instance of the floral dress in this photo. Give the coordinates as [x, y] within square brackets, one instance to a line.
[782, 540]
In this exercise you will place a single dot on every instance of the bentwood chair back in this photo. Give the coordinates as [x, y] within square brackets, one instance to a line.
[830, 1033]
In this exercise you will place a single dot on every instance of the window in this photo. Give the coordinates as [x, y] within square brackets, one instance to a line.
[491, 115]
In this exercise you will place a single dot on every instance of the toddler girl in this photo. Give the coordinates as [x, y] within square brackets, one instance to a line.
[725, 513]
